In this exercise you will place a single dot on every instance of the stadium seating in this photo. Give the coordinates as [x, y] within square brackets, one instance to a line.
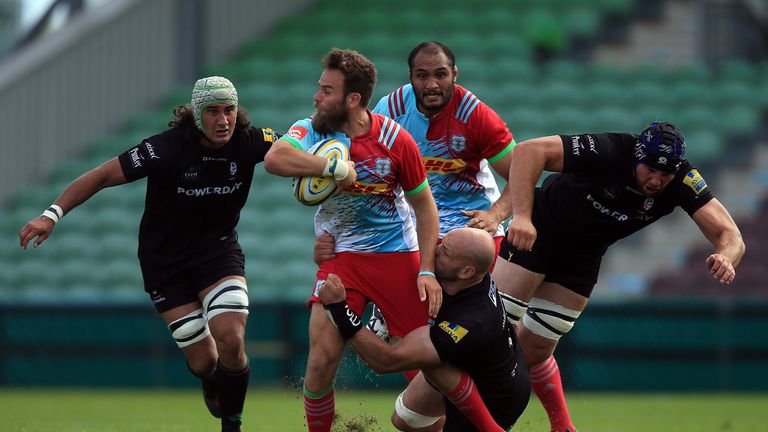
[497, 47]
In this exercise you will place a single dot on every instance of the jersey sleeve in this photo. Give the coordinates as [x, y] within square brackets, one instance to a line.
[692, 191]
[453, 342]
[492, 135]
[302, 135]
[261, 140]
[383, 107]
[592, 152]
[145, 159]
[413, 175]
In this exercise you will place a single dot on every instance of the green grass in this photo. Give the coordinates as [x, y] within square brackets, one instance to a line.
[280, 411]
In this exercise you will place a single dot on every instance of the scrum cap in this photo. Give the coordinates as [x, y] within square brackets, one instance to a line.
[208, 91]
[661, 146]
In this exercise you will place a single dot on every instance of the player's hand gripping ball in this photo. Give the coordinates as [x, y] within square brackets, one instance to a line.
[311, 191]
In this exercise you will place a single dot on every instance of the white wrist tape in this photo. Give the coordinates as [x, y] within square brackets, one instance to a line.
[53, 213]
[337, 168]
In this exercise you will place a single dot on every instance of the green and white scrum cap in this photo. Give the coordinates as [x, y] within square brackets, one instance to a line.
[208, 91]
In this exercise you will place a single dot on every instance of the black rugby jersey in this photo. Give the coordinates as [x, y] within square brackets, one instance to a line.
[194, 193]
[594, 201]
[472, 333]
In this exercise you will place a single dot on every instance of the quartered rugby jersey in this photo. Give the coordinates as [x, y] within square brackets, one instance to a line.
[372, 215]
[456, 145]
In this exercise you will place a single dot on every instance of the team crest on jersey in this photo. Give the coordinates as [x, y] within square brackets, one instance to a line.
[648, 203]
[695, 181]
[455, 331]
[232, 168]
[458, 143]
[383, 166]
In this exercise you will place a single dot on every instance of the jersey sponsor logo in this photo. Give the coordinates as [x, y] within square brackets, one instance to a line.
[576, 146]
[136, 158]
[458, 143]
[383, 167]
[191, 173]
[151, 150]
[492, 292]
[443, 166]
[361, 188]
[214, 159]
[695, 181]
[269, 134]
[298, 132]
[621, 217]
[210, 190]
[592, 146]
[455, 331]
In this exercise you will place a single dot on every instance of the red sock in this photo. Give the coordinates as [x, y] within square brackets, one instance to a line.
[319, 409]
[467, 399]
[546, 383]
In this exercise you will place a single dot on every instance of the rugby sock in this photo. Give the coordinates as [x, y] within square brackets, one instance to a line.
[232, 384]
[546, 383]
[320, 409]
[467, 399]
[210, 392]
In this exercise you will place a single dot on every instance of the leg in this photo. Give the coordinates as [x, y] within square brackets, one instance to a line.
[552, 313]
[326, 347]
[459, 388]
[420, 408]
[226, 306]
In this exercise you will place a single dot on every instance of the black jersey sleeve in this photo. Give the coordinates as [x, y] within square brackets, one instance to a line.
[594, 152]
[262, 139]
[453, 341]
[690, 189]
[146, 158]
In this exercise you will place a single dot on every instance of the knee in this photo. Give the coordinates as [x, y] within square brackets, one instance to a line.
[202, 366]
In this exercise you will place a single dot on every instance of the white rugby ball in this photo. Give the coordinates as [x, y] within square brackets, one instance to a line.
[311, 191]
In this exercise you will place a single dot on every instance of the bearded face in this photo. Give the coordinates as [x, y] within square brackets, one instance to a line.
[330, 117]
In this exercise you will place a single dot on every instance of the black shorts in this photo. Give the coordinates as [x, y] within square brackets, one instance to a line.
[575, 270]
[505, 409]
[173, 285]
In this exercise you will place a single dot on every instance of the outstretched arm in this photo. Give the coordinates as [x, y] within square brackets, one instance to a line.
[718, 227]
[107, 174]
[427, 229]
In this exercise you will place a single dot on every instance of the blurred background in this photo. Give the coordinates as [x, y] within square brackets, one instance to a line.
[83, 80]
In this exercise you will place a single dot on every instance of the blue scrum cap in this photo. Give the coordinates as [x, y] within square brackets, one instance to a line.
[661, 146]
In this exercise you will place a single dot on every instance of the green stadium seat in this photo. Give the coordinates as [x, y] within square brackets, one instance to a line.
[542, 29]
[580, 22]
[703, 146]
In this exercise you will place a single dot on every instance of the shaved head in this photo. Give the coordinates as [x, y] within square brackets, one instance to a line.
[473, 247]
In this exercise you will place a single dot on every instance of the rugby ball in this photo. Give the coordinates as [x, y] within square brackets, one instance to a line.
[312, 191]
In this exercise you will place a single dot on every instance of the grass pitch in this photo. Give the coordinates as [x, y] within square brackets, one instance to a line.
[280, 411]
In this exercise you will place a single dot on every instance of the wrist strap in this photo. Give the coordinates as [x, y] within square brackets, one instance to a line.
[337, 168]
[345, 319]
[53, 213]
[426, 273]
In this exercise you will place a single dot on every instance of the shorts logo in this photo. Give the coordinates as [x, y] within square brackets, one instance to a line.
[695, 181]
[298, 132]
[455, 331]
[319, 284]
[458, 143]
[383, 167]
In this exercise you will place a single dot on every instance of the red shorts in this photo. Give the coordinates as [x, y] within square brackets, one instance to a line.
[386, 279]
[496, 240]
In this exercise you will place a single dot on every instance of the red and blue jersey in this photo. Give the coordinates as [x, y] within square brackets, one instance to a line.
[372, 215]
[456, 146]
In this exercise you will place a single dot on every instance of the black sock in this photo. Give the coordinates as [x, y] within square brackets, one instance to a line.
[232, 385]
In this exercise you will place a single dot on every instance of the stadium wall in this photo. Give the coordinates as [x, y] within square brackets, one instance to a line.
[87, 78]
[673, 346]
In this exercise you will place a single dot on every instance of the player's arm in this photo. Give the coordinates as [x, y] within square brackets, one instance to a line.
[500, 210]
[717, 225]
[414, 351]
[108, 174]
[529, 160]
[427, 229]
[286, 158]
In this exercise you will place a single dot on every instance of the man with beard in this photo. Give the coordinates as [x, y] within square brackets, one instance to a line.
[454, 380]
[198, 174]
[608, 186]
[380, 255]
